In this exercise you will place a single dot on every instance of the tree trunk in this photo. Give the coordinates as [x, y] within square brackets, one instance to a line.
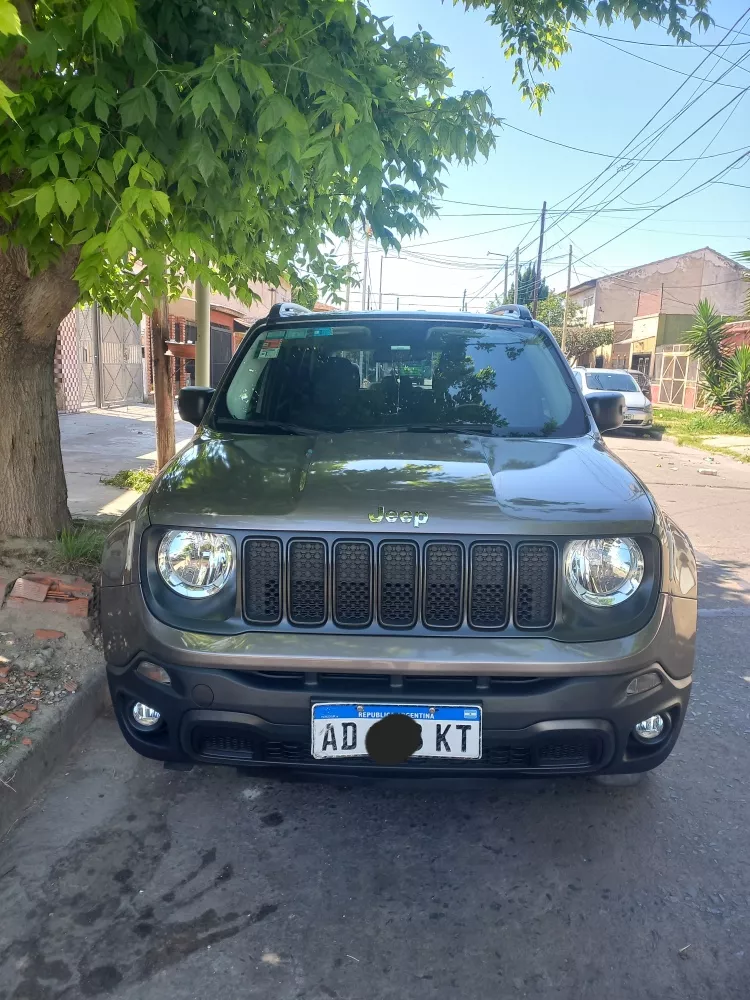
[33, 494]
[163, 384]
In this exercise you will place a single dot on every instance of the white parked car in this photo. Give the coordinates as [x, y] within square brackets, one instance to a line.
[639, 413]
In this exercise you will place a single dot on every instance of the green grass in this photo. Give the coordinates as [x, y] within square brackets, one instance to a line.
[692, 427]
[79, 548]
[132, 479]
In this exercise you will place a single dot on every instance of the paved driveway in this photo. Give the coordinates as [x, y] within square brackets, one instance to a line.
[98, 443]
[131, 882]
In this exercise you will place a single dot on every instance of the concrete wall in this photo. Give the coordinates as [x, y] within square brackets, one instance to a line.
[673, 328]
[581, 299]
[679, 282]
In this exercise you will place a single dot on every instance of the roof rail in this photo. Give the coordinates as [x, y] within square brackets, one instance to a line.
[512, 309]
[285, 310]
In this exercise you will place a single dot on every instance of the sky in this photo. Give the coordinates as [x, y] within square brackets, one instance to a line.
[604, 94]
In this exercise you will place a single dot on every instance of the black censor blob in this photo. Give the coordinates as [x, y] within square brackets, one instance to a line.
[394, 739]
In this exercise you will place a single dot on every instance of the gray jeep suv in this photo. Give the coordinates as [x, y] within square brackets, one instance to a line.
[397, 545]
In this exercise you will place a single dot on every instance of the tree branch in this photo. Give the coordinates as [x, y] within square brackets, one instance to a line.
[49, 297]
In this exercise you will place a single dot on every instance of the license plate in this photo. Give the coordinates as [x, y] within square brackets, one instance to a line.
[450, 732]
[633, 417]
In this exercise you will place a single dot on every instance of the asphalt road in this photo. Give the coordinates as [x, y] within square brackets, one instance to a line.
[127, 881]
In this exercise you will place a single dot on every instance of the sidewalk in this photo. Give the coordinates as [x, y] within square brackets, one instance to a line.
[98, 443]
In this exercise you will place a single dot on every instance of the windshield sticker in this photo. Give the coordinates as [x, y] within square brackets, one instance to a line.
[270, 345]
[302, 333]
[272, 352]
[400, 347]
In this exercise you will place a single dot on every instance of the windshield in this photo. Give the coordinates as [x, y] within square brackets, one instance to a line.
[611, 381]
[408, 374]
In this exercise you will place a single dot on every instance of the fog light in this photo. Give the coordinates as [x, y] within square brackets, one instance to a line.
[644, 682]
[144, 716]
[153, 673]
[650, 729]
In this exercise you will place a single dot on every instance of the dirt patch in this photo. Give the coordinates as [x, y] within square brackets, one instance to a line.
[45, 654]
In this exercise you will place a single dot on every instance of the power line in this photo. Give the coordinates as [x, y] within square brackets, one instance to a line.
[467, 236]
[610, 156]
[619, 191]
[657, 45]
[652, 62]
[680, 197]
[581, 192]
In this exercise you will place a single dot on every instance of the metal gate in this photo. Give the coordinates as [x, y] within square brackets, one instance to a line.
[676, 373]
[87, 356]
[110, 359]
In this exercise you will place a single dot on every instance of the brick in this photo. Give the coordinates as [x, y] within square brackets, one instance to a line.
[79, 607]
[4, 671]
[16, 717]
[69, 686]
[49, 633]
[30, 706]
[29, 590]
[26, 741]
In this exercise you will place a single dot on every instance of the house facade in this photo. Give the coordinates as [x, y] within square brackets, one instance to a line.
[672, 286]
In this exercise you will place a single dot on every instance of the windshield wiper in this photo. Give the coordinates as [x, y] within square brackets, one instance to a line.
[271, 426]
[488, 429]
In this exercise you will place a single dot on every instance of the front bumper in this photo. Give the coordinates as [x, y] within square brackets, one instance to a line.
[638, 418]
[531, 726]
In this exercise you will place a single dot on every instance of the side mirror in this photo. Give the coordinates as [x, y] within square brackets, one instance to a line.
[607, 409]
[192, 403]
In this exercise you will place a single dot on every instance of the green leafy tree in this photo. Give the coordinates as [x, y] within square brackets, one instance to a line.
[155, 143]
[145, 144]
[551, 311]
[535, 34]
[581, 340]
[526, 284]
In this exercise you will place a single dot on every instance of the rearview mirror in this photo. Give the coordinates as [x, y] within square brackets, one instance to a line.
[192, 403]
[607, 409]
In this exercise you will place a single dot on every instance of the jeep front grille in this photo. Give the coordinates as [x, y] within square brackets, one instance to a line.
[399, 584]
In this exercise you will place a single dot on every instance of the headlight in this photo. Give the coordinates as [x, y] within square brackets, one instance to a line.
[195, 563]
[603, 571]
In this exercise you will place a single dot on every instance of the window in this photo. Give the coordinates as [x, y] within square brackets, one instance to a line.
[401, 374]
[588, 301]
[611, 381]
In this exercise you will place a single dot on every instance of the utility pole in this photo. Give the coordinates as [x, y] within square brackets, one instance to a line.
[349, 265]
[538, 275]
[380, 289]
[505, 282]
[203, 336]
[518, 275]
[567, 296]
[365, 268]
[463, 304]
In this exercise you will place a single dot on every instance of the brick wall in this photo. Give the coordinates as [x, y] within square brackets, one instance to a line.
[67, 366]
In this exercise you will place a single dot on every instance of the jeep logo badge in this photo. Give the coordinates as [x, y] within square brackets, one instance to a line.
[405, 516]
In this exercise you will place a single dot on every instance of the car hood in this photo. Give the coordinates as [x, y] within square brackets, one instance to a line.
[462, 483]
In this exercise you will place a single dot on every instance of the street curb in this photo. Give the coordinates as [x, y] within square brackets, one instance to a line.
[26, 768]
